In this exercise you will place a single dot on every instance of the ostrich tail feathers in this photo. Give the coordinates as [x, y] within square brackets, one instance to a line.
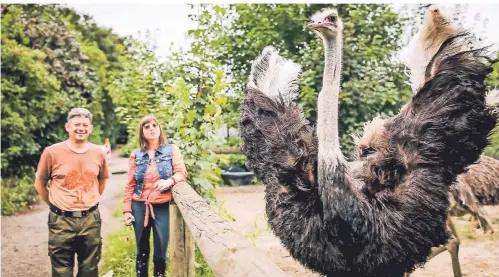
[275, 76]
[423, 55]
[413, 57]
[277, 138]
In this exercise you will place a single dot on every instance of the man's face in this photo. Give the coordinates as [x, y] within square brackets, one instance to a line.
[79, 128]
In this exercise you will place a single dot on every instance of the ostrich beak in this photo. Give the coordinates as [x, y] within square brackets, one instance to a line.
[316, 26]
[313, 26]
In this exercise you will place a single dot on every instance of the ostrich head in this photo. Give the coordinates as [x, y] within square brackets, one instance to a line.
[437, 27]
[326, 23]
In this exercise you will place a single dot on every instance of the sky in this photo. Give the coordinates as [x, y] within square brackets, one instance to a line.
[168, 23]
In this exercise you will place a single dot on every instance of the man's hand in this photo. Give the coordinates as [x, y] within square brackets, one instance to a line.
[41, 188]
[163, 185]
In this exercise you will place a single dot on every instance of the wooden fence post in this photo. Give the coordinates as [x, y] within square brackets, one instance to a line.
[182, 245]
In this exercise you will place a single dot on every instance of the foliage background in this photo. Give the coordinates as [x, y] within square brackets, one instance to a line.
[54, 58]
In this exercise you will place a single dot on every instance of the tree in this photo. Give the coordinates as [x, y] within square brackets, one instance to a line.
[43, 73]
[372, 83]
[51, 61]
[493, 149]
[184, 94]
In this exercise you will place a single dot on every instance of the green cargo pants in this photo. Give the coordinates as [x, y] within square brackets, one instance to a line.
[75, 235]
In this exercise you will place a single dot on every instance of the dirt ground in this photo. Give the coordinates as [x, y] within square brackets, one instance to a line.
[25, 236]
[478, 254]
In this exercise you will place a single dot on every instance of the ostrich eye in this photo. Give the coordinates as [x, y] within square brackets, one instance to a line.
[367, 151]
[331, 18]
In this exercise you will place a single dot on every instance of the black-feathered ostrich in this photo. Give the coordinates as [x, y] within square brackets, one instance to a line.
[480, 181]
[320, 212]
[482, 178]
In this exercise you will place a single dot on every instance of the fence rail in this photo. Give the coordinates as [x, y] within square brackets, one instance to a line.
[226, 252]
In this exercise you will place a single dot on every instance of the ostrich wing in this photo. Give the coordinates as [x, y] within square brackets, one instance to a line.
[279, 144]
[483, 179]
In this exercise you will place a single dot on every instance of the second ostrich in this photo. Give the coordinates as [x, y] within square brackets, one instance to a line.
[320, 212]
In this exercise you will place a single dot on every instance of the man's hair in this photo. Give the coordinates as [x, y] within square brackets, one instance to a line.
[80, 112]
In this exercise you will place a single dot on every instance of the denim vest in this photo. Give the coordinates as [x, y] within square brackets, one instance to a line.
[163, 157]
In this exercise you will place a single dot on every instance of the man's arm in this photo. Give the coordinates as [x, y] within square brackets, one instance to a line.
[41, 187]
[103, 174]
[43, 174]
[102, 185]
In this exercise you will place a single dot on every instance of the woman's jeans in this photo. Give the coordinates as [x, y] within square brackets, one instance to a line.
[161, 233]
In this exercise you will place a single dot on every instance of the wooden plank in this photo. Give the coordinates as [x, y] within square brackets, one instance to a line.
[182, 245]
[227, 252]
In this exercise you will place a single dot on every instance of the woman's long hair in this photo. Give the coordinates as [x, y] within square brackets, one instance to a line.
[143, 143]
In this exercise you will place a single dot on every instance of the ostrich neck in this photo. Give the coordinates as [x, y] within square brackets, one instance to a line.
[327, 121]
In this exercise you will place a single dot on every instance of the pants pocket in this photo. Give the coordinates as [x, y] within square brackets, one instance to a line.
[96, 216]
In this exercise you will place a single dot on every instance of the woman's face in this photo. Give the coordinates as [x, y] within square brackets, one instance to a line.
[151, 130]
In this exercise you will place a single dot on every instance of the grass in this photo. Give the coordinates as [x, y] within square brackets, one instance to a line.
[223, 212]
[466, 230]
[119, 253]
[258, 230]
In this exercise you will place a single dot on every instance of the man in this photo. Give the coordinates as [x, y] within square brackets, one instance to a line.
[77, 171]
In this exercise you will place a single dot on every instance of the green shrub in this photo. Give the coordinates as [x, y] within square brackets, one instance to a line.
[230, 159]
[129, 147]
[493, 149]
[18, 193]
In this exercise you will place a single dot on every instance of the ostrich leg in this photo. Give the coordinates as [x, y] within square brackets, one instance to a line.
[452, 247]
[483, 223]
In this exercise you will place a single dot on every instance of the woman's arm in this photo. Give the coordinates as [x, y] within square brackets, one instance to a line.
[179, 170]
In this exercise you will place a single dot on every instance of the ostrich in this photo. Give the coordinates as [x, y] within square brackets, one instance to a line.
[421, 60]
[436, 28]
[322, 214]
[478, 186]
[483, 180]
[462, 196]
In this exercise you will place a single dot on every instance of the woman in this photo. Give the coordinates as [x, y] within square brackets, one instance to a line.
[153, 170]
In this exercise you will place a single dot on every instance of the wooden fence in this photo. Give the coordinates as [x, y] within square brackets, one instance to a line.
[226, 251]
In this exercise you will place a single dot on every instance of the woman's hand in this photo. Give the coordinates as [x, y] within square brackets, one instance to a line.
[163, 185]
[128, 218]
